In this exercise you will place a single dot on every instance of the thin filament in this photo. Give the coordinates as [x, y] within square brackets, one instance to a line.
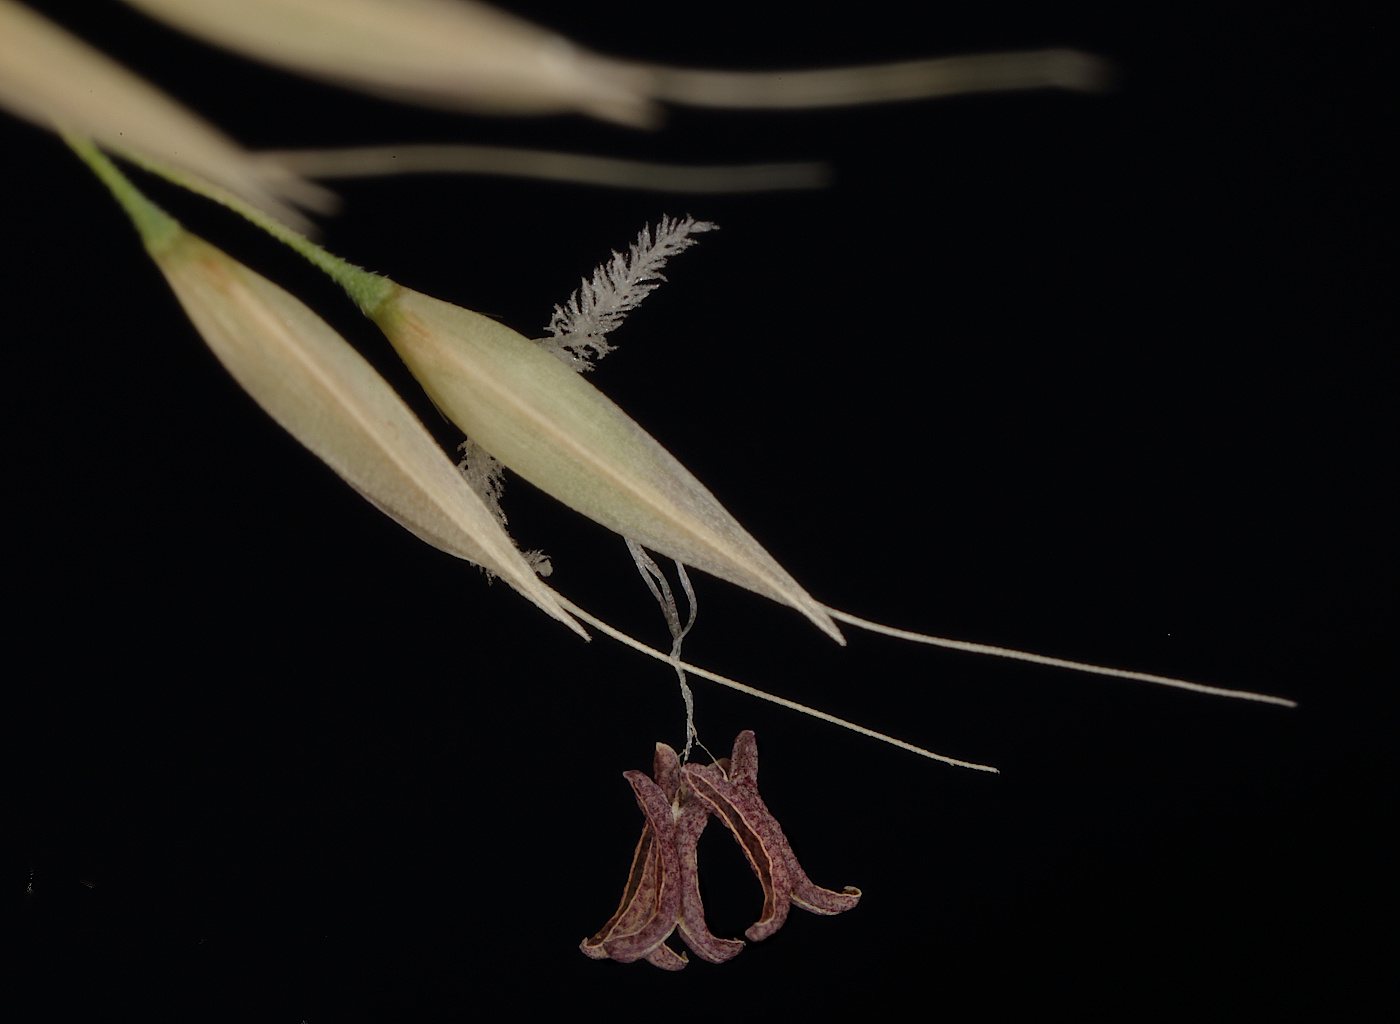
[791, 705]
[661, 590]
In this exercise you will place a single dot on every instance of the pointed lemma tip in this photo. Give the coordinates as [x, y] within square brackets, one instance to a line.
[819, 615]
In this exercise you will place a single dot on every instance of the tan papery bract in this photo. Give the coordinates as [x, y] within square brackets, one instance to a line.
[313, 383]
[447, 53]
[547, 423]
[58, 81]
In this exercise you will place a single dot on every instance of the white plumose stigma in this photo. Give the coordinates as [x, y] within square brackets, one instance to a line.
[58, 81]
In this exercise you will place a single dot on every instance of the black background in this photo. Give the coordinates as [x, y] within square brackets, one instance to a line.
[1092, 376]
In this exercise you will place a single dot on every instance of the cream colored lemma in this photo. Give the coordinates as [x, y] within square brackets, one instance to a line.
[447, 53]
[312, 382]
[554, 428]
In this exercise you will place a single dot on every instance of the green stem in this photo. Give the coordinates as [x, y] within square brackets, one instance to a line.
[157, 228]
[368, 290]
